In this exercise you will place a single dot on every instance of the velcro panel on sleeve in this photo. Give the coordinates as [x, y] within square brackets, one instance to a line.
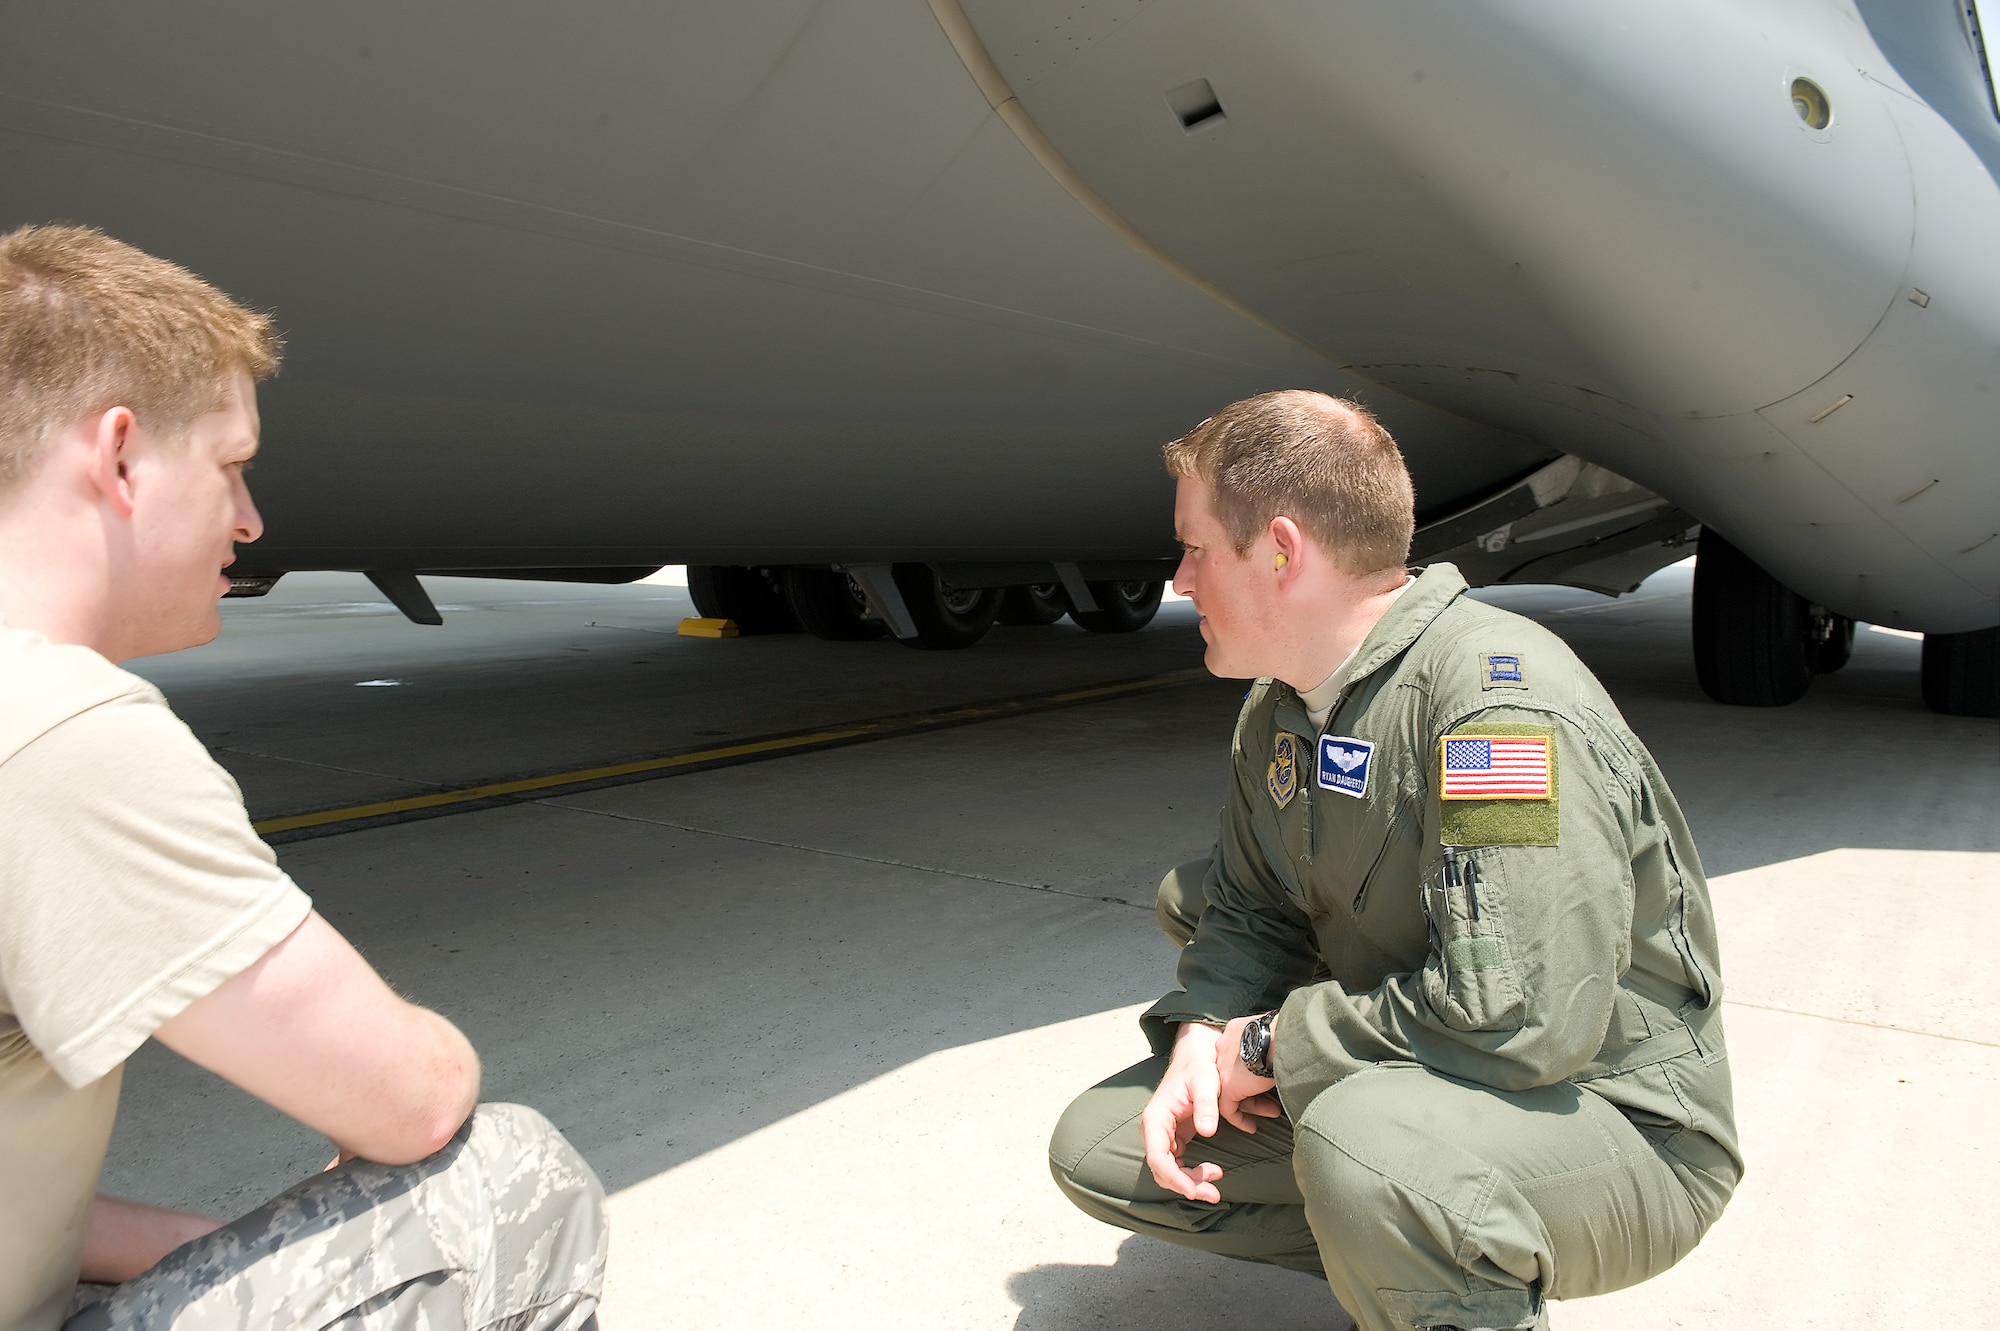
[1509, 821]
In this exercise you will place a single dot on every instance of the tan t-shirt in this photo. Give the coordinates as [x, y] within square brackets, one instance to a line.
[131, 885]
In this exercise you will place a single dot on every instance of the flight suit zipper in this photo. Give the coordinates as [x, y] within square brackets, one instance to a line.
[1381, 853]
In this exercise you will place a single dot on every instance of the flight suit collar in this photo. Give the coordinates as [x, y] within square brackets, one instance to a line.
[1437, 586]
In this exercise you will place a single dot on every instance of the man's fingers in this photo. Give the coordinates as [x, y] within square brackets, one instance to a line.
[1239, 1116]
[1263, 1105]
[1167, 1172]
[1165, 1130]
[1203, 1083]
[1158, 1129]
[1196, 1184]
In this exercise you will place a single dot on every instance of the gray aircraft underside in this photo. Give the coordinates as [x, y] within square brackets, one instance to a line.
[620, 283]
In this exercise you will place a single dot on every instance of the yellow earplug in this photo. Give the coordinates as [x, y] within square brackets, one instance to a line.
[1278, 561]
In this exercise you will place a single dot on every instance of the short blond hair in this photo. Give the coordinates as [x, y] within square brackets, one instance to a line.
[1324, 462]
[88, 323]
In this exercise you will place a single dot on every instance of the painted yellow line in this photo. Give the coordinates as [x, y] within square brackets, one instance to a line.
[884, 729]
[466, 795]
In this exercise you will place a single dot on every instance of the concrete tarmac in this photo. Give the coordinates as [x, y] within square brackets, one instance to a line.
[812, 1018]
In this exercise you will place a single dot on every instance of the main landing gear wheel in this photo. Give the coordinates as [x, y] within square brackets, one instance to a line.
[1032, 606]
[753, 597]
[1753, 639]
[1122, 607]
[828, 605]
[1833, 642]
[1961, 672]
[946, 617]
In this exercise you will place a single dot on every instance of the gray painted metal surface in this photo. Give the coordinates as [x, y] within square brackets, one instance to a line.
[620, 283]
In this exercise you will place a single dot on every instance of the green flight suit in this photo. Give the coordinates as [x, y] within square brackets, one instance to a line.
[1500, 1051]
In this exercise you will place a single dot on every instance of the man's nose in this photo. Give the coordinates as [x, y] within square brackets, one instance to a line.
[249, 522]
[1184, 577]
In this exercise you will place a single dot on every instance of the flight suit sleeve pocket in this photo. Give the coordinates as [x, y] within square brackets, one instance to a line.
[1471, 980]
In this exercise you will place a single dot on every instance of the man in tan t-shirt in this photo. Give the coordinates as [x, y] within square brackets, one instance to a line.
[136, 902]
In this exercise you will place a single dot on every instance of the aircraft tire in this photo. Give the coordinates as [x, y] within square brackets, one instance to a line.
[829, 606]
[1752, 634]
[753, 597]
[1122, 607]
[1833, 651]
[1033, 605]
[1961, 672]
[947, 618]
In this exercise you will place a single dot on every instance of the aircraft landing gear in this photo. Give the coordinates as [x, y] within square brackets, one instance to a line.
[828, 605]
[753, 597]
[1033, 605]
[1832, 641]
[1753, 636]
[1122, 607]
[1961, 672]
[946, 618]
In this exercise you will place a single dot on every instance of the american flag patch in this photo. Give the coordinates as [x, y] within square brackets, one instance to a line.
[1494, 767]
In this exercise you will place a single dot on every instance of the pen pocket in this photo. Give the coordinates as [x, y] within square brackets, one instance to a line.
[1471, 979]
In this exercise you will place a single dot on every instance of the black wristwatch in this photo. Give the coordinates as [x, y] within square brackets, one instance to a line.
[1256, 1047]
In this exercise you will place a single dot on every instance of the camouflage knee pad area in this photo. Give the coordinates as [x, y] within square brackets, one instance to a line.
[504, 1227]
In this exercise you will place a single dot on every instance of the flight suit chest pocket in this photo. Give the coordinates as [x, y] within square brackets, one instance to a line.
[1471, 980]
[1340, 810]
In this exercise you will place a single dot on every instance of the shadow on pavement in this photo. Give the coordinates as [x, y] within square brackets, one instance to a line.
[1155, 1286]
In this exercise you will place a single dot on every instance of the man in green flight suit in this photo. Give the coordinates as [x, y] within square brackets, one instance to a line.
[1448, 1028]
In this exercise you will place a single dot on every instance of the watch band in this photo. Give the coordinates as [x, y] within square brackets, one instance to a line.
[1255, 1049]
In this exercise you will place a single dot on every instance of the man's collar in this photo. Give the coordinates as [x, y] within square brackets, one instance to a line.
[1435, 587]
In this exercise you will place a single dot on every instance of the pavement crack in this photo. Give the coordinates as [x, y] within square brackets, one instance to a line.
[324, 767]
[1049, 888]
[1856, 1021]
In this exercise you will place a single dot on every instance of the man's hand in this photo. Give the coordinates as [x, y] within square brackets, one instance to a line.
[1183, 1107]
[121, 1239]
[1243, 1097]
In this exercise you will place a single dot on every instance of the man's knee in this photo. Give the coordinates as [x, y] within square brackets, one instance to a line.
[1096, 1147]
[1379, 1169]
[1404, 1213]
[548, 1203]
[1181, 900]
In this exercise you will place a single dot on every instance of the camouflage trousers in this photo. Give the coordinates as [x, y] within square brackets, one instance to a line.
[502, 1229]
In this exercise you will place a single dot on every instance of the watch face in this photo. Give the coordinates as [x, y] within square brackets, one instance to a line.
[1256, 1046]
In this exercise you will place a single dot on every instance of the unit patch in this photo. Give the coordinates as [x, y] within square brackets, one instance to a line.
[1501, 670]
[1497, 785]
[1344, 763]
[1283, 778]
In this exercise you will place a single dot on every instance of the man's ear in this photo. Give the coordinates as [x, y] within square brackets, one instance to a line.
[1289, 546]
[112, 444]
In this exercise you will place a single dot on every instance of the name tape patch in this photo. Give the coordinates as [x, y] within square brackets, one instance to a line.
[1343, 764]
[1495, 767]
